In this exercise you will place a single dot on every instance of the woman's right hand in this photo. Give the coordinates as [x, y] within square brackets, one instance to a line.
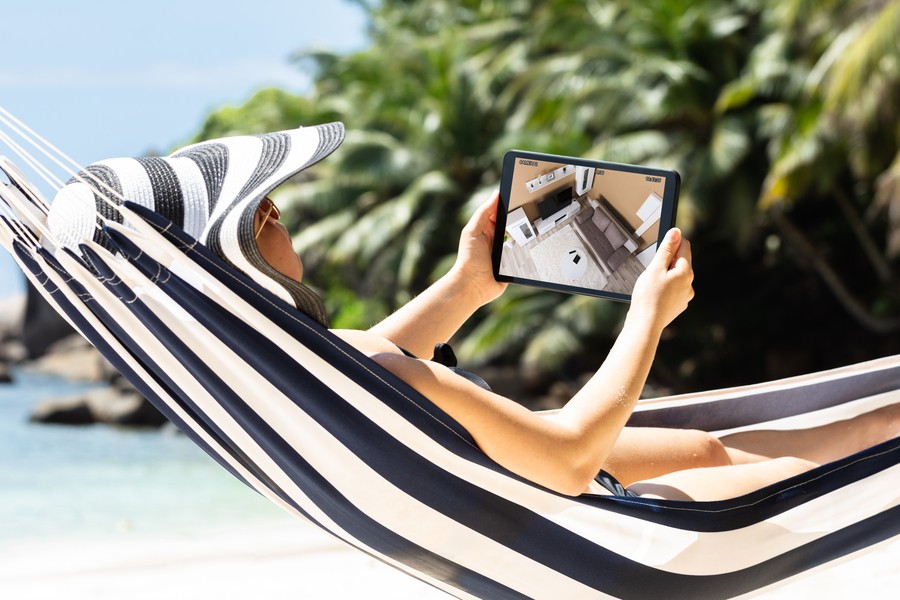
[663, 290]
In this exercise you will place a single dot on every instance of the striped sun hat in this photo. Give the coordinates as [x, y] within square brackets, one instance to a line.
[211, 189]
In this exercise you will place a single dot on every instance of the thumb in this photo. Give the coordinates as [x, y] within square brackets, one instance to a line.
[665, 255]
[482, 215]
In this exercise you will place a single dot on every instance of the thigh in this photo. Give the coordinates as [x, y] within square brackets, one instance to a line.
[720, 483]
[647, 452]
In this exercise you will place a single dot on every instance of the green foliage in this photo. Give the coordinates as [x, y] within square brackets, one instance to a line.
[781, 116]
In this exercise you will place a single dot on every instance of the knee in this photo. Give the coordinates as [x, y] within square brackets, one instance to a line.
[791, 465]
[708, 450]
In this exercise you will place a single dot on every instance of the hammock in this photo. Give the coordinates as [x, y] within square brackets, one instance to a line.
[316, 427]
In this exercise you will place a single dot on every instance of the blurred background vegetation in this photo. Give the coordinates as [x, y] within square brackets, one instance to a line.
[782, 117]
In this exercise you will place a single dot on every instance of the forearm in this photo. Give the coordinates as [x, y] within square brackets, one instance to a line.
[596, 415]
[432, 317]
[563, 451]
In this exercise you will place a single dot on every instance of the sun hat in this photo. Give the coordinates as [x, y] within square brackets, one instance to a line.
[210, 189]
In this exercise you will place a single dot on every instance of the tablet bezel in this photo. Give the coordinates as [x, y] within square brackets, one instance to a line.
[666, 220]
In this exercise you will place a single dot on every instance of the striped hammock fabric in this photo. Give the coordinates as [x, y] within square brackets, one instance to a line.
[316, 427]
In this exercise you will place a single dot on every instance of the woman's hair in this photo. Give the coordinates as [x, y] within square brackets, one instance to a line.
[211, 190]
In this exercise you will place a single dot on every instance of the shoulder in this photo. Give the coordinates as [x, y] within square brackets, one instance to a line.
[366, 341]
[432, 380]
[418, 373]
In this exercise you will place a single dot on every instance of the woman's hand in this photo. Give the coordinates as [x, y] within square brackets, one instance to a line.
[473, 263]
[663, 290]
[435, 315]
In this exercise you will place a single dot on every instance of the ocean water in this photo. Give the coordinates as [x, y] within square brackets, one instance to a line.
[60, 481]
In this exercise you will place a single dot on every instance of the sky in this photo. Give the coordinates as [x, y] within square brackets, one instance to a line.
[104, 78]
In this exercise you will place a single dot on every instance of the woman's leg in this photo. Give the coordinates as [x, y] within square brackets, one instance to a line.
[720, 483]
[822, 444]
[643, 453]
[647, 452]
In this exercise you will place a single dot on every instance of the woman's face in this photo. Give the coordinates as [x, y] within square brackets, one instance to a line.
[274, 243]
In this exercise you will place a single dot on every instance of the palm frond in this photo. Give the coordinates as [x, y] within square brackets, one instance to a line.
[873, 56]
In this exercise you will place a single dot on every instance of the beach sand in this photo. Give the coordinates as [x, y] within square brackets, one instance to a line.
[295, 560]
[292, 560]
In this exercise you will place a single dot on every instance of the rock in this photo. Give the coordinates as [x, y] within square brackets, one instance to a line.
[109, 405]
[124, 407]
[71, 411]
[12, 311]
[41, 325]
[11, 349]
[5, 377]
[73, 358]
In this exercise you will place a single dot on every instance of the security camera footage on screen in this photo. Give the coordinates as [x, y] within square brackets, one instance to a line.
[580, 226]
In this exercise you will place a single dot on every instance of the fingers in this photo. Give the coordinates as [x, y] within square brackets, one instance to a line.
[484, 218]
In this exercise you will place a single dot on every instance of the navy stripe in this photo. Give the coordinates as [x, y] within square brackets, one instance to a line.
[20, 230]
[202, 373]
[767, 405]
[832, 546]
[101, 343]
[524, 529]
[348, 516]
[505, 522]
[429, 419]
[117, 332]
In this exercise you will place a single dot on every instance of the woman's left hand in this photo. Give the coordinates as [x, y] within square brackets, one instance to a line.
[473, 263]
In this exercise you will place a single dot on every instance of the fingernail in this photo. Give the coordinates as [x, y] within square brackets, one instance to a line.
[674, 234]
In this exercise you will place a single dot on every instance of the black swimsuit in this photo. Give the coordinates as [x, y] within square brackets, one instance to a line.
[443, 354]
[612, 485]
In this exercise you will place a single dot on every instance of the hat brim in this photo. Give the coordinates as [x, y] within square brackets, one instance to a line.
[211, 189]
[256, 165]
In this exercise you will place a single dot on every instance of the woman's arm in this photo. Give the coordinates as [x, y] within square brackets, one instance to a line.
[565, 451]
[436, 314]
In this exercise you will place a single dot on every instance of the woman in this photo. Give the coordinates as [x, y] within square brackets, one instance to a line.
[218, 192]
[565, 451]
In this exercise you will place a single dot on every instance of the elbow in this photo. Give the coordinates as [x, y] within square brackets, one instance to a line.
[577, 461]
[573, 489]
[577, 480]
[575, 472]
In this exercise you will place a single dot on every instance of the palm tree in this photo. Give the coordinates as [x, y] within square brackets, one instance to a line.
[757, 108]
[637, 83]
[829, 112]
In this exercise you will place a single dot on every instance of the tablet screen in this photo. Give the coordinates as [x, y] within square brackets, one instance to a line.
[580, 226]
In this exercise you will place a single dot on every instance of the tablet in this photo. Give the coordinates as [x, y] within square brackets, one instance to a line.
[580, 226]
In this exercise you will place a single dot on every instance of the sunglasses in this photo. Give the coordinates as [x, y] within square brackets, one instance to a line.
[266, 208]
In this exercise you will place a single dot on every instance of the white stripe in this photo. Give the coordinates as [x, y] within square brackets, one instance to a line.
[799, 381]
[614, 531]
[243, 158]
[133, 180]
[74, 216]
[825, 416]
[193, 190]
[355, 479]
[810, 510]
[173, 315]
